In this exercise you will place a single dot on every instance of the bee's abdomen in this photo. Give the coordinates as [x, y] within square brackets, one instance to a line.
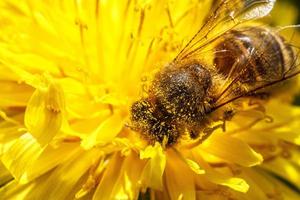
[253, 53]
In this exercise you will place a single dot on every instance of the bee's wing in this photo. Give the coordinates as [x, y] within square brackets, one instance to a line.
[231, 90]
[227, 15]
[230, 95]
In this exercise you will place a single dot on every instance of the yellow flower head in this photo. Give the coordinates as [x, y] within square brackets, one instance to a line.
[71, 71]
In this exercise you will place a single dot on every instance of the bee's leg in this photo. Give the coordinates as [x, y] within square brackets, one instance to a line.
[203, 133]
[227, 116]
[208, 131]
[194, 133]
[200, 134]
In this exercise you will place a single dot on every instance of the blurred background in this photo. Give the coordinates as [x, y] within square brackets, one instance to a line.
[285, 12]
[296, 4]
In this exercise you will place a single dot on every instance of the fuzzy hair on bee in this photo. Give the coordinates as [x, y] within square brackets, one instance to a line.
[188, 95]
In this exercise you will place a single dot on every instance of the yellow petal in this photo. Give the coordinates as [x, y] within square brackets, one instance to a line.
[60, 183]
[283, 126]
[20, 155]
[295, 157]
[15, 191]
[209, 195]
[11, 128]
[155, 166]
[216, 177]
[110, 176]
[106, 131]
[14, 94]
[285, 169]
[91, 181]
[44, 113]
[23, 75]
[285, 191]
[260, 185]
[195, 166]
[231, 149]
[237, 184]
[126, 185]
[130, 184]
[5, 176]
[292, 136]
[26, 160]
[48, 159]
[179, 178]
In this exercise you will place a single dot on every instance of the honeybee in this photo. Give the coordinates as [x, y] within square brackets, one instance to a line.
[248, 61]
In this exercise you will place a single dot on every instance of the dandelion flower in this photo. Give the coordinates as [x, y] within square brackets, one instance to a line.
[71, 69]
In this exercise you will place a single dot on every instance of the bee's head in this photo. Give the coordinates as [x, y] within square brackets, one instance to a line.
[155, 125]
[141, 113]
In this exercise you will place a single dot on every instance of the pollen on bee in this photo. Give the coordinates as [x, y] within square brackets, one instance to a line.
[174, 103]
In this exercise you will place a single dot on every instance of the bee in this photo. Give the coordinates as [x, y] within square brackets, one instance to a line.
[247, 62]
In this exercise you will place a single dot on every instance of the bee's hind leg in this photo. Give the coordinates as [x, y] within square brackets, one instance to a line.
[200, 134]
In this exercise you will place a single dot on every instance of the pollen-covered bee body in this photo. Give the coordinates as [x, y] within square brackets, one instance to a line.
[189, 94]
[183, 90]
[177, 102]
